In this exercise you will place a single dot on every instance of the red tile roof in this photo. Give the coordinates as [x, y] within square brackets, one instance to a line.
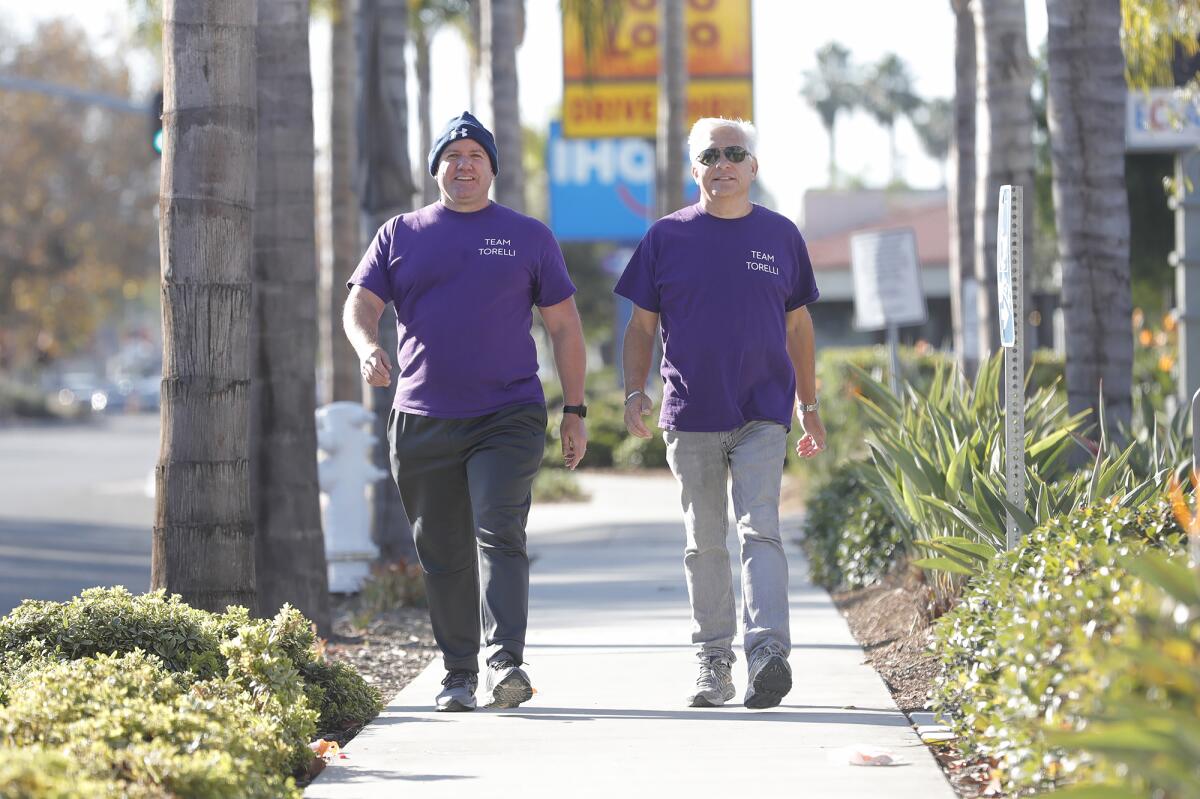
[931, 224]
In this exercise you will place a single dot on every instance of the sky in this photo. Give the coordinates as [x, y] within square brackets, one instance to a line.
[792, 149]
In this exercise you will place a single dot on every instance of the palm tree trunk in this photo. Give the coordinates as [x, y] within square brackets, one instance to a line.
[1004, 116]
[203, 543]
[429, 189]
[672, 107]
[385, 190]
[501, 33]
[962, 189]
[290, 561]
[344, 236]
[1086, 111]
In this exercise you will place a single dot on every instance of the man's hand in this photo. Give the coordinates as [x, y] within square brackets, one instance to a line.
[376, 368]
[813, 440]
[573, 433]
[637, 407]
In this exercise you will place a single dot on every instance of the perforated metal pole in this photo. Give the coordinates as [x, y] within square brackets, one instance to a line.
[1194, 534]
[893, 343]
[1010, 260]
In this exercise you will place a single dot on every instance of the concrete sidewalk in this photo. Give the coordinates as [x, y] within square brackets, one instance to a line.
[609, 655]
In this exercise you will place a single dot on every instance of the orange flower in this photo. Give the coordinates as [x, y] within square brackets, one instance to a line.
[1183, 512]
[1145, 338]
[1139, 318]
[1165, 363]
[1169, 322]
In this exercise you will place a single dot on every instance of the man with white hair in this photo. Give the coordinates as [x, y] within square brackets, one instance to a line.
[729, 280]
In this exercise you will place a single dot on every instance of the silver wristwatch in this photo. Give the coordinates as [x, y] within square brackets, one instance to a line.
[809, 408]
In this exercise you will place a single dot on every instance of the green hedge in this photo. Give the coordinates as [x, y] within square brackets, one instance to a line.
[1022, 647]
[155, 698]
[1143, 732]
[848, 535]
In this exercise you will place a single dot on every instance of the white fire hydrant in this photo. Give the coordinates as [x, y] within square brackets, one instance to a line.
[344, 470]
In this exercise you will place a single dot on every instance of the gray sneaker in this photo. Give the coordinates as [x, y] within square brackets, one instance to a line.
[459, 692]
[507, 684]
[714, 686]
[770, 677]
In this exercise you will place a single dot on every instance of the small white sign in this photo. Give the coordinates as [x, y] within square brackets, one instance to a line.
[1004, 281]
[1163, 120]
[887, 279]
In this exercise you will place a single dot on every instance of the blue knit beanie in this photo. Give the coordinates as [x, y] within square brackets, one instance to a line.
[464, 126]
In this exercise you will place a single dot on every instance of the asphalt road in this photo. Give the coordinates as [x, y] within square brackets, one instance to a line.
[76, 507]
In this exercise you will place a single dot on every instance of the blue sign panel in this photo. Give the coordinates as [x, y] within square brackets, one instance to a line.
[602, 189]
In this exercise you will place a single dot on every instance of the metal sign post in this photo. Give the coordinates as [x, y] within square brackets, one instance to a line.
[1009, 265]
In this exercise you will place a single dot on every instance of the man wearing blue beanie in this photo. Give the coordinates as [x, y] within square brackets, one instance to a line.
[468, 423]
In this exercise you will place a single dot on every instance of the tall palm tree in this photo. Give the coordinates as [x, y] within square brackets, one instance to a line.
[345, 241]
[283, 440]
[962, 190]
[203, 543]
[1086, 112]
[1004, 115]
[672, 107]
[385, 189]
[832, 88]
[502, 28]
[888, 95]
[426, 18]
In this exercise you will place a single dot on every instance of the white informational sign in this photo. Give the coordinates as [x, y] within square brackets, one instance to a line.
[1161, 120]
[1004, 281]
[887, 280]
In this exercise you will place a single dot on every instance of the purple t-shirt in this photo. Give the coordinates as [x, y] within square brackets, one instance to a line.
[722, 289]
[464, 286]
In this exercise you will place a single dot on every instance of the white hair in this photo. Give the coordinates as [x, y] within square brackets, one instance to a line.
[701, 136]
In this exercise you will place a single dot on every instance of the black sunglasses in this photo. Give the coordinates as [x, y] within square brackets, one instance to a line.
[735, 154]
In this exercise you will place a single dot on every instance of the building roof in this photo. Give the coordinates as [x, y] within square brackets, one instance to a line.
[931, 223]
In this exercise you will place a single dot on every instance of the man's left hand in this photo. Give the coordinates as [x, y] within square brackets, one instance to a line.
[573, 433]
[813, 440]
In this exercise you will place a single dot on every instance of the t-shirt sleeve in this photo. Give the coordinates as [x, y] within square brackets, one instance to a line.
[804, 289]
[552, 284]
[373, 271]
[637, 283]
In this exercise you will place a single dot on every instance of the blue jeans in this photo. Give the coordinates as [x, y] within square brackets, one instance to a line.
[703, 463]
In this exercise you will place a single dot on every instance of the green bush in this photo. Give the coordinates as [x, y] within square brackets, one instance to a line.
[848, 536]
[36, 772]
[345, 699]
[557, 485]
[1144, 729]
[17, 399]
[127, 721]
[201, 644]
[642, 453]
[1021, 648]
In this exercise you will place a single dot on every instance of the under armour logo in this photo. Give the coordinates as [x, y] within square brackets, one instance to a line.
[454, 134]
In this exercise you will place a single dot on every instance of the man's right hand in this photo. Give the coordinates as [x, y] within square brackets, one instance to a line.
[376, 368]
[638, 406]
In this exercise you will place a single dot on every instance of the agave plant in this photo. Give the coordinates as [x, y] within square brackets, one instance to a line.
[939, 466]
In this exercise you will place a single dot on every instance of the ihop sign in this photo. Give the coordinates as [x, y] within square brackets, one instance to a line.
[602, 189]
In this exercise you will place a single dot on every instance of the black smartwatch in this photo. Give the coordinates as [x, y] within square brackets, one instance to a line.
[578, 410]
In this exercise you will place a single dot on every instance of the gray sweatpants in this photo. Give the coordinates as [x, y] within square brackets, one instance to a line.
[463, 481]
[703, 463]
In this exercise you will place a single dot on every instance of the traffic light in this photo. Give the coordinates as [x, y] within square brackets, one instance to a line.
[156, 128]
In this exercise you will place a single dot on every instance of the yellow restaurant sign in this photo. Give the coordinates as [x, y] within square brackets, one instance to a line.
[615, 91]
